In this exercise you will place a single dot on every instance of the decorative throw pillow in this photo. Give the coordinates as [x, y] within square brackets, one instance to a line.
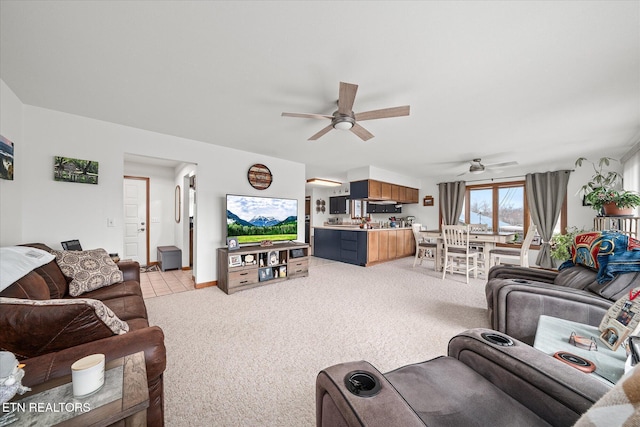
[90, 270]
[104, 313]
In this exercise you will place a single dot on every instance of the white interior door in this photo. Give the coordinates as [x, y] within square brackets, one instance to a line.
[136, 227]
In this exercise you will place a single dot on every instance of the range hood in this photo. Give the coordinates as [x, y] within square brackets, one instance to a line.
[382, 202]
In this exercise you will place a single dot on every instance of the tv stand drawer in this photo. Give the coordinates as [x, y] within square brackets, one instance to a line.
[299, 267]
[242, 278]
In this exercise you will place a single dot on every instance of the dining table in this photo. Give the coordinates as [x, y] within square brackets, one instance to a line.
[488, 240]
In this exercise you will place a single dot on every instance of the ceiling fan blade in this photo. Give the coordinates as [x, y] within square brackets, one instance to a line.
[307, 116]
[346, 97]
[364, 134]
[384, 113]
[320, 133]
[499, 165]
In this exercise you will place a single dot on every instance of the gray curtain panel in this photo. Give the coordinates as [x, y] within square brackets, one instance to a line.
[451, 201]
[545, 195]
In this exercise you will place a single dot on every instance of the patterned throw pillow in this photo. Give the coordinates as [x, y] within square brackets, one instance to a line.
[90, 270]
[104, 313]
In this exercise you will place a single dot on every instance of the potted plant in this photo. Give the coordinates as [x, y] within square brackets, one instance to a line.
[604, 193]
[561, 244]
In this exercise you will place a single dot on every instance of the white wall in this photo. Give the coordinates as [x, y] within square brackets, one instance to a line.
[11, 125]
[161, 204]
[52, 211]
[631, 176]
[181, 229]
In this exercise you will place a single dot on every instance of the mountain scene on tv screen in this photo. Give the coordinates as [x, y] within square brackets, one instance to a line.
[254, 221]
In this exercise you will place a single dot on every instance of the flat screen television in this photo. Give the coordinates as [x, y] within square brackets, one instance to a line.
[252, 219]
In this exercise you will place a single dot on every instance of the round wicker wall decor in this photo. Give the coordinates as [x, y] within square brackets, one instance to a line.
[259, 176]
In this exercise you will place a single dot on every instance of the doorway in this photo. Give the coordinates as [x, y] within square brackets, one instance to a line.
[136, 219]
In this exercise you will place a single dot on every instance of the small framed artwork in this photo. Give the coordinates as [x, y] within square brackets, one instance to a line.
[427, 201]
[613, 336]
[75, 170]
[273, 258]
[235, 260]
[622, 318]
[232, 243]
[265, 274]
[6, 159]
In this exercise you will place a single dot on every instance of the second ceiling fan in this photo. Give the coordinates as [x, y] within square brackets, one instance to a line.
[345, 119]
[476, 166]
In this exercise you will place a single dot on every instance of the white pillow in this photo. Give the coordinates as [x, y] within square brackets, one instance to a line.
[17, 261]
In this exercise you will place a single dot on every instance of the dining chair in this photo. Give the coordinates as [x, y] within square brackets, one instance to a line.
[519, 255]
[456, 246]
[424, 248]
[479, 228]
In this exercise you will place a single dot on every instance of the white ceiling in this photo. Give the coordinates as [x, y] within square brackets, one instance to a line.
[540, 83]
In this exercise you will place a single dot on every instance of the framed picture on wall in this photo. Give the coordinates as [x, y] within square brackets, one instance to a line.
[68, 169]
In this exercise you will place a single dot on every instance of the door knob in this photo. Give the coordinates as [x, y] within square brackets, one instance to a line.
[141, 229]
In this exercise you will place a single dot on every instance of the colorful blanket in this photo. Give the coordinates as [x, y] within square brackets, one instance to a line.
[608, 252]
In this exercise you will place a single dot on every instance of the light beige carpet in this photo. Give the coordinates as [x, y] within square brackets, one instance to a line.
[251, 358]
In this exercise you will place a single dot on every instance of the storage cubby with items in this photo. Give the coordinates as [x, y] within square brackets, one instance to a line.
[252, 266]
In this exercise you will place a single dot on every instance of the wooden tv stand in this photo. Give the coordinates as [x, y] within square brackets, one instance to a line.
[252, 266]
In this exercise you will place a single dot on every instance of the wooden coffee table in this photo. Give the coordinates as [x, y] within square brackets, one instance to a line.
[124, 396]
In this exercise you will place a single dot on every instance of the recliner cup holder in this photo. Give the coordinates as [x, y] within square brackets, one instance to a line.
[519, 281]
[498, 339]
[362, 383]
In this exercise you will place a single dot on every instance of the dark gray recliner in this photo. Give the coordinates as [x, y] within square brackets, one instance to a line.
[518, 296]
[487, 379]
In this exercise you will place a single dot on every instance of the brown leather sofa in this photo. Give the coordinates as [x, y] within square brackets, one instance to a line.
[48, 339]
[518, 296]
[487, 379]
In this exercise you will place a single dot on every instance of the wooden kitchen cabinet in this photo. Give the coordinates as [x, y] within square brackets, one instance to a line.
[373, 242]
[385, 188]
[371, 189]
[393, 244]
[388, 244]
[399, 193]
[375, 190]
[383, 245]
[412, 195]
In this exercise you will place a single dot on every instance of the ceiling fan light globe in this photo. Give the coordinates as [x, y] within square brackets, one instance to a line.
[345, 125]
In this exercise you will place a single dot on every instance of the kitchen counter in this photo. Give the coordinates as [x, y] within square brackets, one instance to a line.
[353, 227]
[354, 245]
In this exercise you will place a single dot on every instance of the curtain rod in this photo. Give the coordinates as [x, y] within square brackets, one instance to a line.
[511, 177]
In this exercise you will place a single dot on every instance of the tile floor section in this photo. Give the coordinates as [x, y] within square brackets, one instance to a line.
[158, 283]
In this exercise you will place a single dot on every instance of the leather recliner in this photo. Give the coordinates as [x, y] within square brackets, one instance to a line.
[518, 296]
[487, 379]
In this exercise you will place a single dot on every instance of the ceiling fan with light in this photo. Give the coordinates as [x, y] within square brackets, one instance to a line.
[345, 119]
[477, 167]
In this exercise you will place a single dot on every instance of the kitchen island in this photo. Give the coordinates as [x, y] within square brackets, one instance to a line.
[364, 247]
